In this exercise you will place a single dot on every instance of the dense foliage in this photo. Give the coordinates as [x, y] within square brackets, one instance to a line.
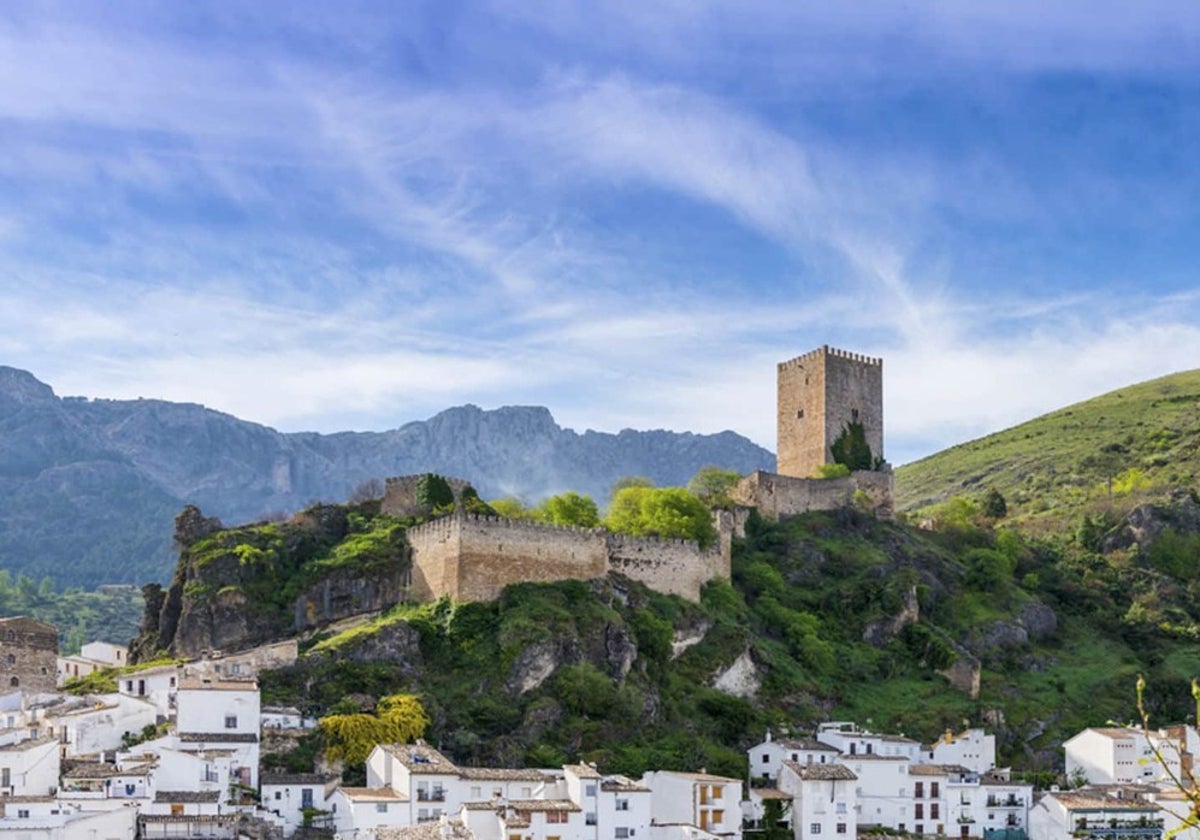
[108, 614]
[660, 512]
[611, 672]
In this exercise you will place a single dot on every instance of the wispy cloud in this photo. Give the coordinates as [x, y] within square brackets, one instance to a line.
[627, 214]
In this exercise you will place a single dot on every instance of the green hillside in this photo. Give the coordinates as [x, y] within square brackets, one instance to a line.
[1109, 453]
[830, 615]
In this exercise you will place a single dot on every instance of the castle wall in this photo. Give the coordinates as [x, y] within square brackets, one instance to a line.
[780, 496]
[676, 567]
[435, 556]
[818, 395]
[28, 655]
[496, 552]
[472, 558]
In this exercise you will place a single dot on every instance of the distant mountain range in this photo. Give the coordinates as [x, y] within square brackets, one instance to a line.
[89, 488]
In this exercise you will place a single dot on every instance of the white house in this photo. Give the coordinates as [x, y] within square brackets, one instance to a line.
[824, 800]
[766, 758]
[98, 785]
[974, 749]
[357, 812]
[222, 715]
[156, 685]
[106, 652]
[1090, 815]
[1005, 803]
[29, 768]
[46, 818]
[852, 741]
[287, 795]
[285, 717]
[884, 790]
[707, 802]
[1113, 755]
[96, 724]
[427, 779]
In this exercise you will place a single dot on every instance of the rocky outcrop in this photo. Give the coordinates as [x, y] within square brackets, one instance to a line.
[107, 475]
[1033, 623]
[879, 633]
[1145, 523]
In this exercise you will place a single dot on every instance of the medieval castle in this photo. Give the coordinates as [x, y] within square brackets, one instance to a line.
[821, 394]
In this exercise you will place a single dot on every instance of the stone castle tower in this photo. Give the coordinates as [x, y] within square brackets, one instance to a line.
[820, 394]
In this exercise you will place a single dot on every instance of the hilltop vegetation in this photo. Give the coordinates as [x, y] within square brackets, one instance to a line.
[1101, 456]
[832, 615]
[108, 614]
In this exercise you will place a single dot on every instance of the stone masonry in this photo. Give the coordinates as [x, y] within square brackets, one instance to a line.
[472, 558]
[819, 395]
[28, 655]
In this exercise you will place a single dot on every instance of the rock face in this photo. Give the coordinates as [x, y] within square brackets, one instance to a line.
[1145, 523]
[88, 488]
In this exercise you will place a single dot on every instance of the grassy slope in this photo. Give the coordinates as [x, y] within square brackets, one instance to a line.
[1055, 467]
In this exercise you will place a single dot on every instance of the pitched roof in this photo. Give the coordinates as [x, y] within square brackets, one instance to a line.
[821, 772]
[501, 774]
[770, 793]
[219, 737]
[365, 794]
[179, 796]
[1093, 802]
[583, 771]
[421, 759]
[198, 684]
[294, 778]
[623, 784]
[806, 744]
[434, 830]
[532, 805]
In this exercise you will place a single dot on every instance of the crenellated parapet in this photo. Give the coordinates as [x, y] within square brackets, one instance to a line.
[473, 557]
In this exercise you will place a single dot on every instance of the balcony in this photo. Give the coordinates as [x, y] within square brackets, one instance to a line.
[1004, 802]
[1136, 829]
[435, 795]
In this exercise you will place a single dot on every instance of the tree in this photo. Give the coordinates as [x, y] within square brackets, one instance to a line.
[434, 492]
[510, 507]
[628, 481]
[711, 485]
[851, 448]
[662, 512]
[994, 504]
[570, 508]
[398, 718]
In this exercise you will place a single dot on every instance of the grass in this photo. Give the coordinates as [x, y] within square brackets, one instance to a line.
[1115, 450]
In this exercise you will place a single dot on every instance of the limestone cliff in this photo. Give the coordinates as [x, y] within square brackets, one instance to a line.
[237, 588]
[88, 487]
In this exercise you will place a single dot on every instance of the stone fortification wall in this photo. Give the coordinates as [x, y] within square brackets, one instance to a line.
[780, 496]
[472, 558]
[28, 655]
[677, 567]
[819, 394]
[400, 494]
[495, 552]
[435, 548]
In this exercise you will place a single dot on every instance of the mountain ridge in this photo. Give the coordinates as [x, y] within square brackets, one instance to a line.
[121, 469]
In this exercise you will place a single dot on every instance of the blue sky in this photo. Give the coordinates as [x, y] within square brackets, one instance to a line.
[348, 216]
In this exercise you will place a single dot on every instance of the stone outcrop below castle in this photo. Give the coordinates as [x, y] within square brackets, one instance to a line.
[780, 496]
[472, 558]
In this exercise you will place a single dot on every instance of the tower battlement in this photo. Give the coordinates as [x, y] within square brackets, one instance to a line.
[821, 394]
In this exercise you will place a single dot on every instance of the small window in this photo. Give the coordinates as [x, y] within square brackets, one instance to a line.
[800, 414]
[231, 721]
[476, 793]
[854, 415]
[622, 833]
[590, 790]
[766, 758]
[841, 828]
[556, 816]
[11, 659]
[920, 828]
[14, 682]
[814, 828]
[278, 794]
[381, 807]
[23, 813]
